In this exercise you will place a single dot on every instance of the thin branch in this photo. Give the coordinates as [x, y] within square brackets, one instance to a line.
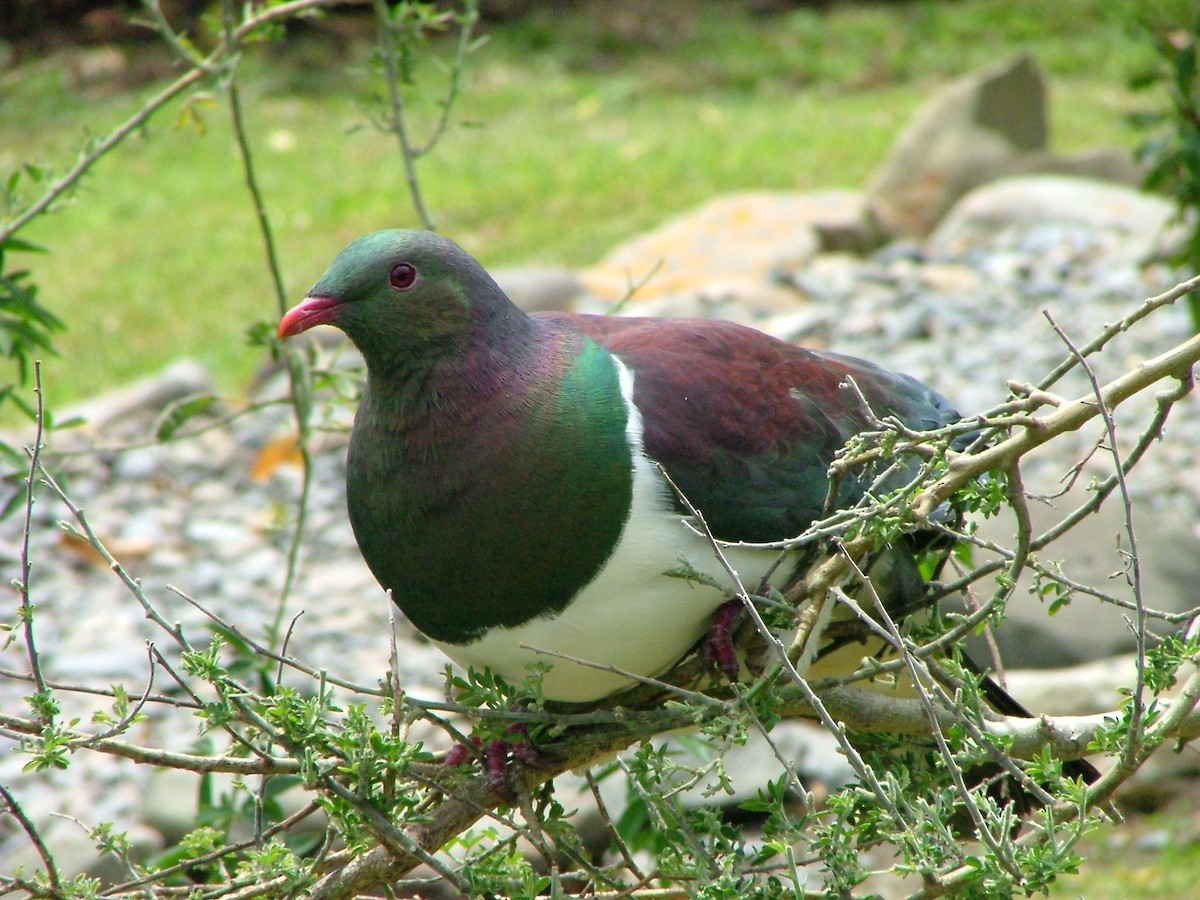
[820, 601]
[122, 725]
[397, 123]
[862, 710]
[467, 21]
[72, 688]
[1174, 363]
[180, 45]
[26, 607]
[152, 756]
[606, 817]
[1132, 748]
[242, 140]
[915, 672]
[1166, 298]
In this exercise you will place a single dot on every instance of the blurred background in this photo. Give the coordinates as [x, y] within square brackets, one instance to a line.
[768, 150]
[577, 125]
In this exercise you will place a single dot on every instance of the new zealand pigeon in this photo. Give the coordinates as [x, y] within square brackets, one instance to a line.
[504, 477]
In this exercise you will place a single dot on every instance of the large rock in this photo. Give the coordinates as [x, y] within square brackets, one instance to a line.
[965, 136]
[733, 251]
[171, 805]
[1082, 690]
[1131, 225]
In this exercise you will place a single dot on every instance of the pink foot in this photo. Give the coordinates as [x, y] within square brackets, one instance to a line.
[718, 646]
[498, 756]
[495, 762]
[460, 753]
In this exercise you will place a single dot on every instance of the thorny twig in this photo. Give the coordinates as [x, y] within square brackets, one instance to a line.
[397, 121]
[823, 606]
[923, 688]
[296, 378]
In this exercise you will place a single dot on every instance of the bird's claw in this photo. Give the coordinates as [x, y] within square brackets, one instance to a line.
[718, 646]
[460, 753]
[499, 757]
[495, 764]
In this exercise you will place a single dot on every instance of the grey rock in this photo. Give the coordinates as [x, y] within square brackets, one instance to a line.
[227, 538]
[138, 464]
[743, 300]
[261, 565]
[144, 526]
[950, 278]
[100, 662]
[1101, 164]
[1155, 841]
[1093, 554]
[843, 220]
[1124, 225]
[965, 136]
[811, 326]
[171, 803]
[831, 276]
[811, 751]
[1079, 690]
[909, 322]
[202, 576]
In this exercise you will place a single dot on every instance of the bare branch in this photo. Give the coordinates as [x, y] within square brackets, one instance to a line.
[26, 608]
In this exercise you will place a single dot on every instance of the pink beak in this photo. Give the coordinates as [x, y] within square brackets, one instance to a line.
[308, 313]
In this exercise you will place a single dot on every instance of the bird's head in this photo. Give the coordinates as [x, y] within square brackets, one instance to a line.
[401, 296]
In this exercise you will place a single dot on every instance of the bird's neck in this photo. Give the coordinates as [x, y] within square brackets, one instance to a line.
[416, 378]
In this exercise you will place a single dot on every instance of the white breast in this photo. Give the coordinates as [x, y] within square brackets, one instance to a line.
[632, 617]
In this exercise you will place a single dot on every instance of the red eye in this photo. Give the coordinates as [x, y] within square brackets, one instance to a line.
[402, 276]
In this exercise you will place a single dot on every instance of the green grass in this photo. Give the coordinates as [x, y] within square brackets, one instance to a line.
[1155, 858]
[574, 131]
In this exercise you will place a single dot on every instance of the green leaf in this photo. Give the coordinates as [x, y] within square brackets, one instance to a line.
[1185, 66]
[12, 242]
[73, 422]
[1144, 80]
[177, 414]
